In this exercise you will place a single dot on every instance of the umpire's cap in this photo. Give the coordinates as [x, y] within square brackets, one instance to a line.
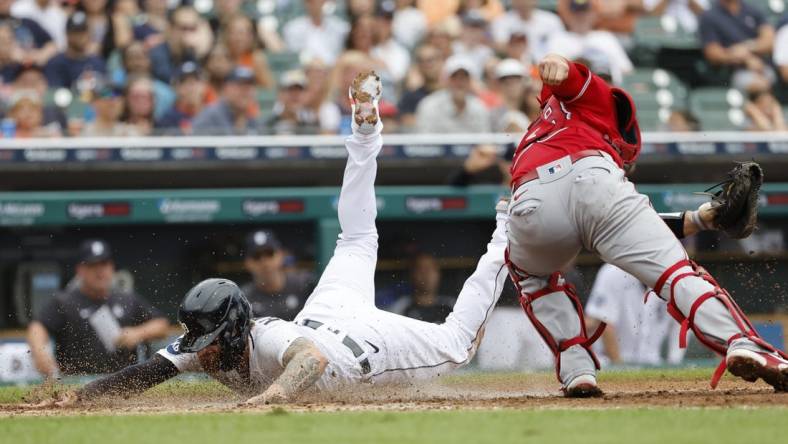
[214, 309]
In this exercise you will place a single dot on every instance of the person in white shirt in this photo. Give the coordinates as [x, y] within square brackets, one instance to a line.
[388, 49]
[410, 23]
[636, 332]
[582, 39]
[316, 34]
[780, 52]
[340, 338]
[48, 14]
[473, 41]
[538, 25]
[678, 13]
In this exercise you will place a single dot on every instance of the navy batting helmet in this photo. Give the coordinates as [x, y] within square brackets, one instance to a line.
[216, 311]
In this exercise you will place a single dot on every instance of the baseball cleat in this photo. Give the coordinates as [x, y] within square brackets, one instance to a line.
[364, 95]
[752, 365]
[583, 386]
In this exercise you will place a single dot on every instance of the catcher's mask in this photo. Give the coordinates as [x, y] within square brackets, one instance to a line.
[628, 141]
[216, 311]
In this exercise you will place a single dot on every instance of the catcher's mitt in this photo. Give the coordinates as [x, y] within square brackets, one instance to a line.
[735, 204]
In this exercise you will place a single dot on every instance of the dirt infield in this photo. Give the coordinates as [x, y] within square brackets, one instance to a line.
[530, 391]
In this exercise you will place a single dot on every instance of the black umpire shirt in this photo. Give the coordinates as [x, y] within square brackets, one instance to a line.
[284, 304]
[78, 349]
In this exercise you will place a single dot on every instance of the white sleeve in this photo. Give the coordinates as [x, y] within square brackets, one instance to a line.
[273, 341]
[780, 55]
[602, 302]
[184, 362]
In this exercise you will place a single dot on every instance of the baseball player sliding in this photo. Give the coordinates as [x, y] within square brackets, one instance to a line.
[340, 338]
[569, 192]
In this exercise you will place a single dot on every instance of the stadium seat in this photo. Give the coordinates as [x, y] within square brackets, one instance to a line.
[718, 108]
[548, 5]
[282, 61]
[647, 79]
[266, 98]
[656, 32]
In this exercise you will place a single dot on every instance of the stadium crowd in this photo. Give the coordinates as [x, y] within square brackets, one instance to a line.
[144, 67]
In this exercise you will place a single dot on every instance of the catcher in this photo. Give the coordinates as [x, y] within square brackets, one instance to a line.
[569, 192]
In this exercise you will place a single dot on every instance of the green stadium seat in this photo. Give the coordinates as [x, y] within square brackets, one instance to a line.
[283, 61]
[718, 108]
[548, 5]
[647, 79]
[657, 32]
[266, 98]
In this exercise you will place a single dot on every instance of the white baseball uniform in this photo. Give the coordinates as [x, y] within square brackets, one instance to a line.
[361, 342]
[642, 329]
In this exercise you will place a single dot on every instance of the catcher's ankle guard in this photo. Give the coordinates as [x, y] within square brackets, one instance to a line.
[688, 322]
[556, 284]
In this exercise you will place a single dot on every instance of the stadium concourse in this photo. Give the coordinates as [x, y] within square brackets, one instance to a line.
[148, 145]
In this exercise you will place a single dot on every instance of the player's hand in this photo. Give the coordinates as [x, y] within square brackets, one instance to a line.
[129, 338]
[68, 398]
[553, 69]
[273, 395]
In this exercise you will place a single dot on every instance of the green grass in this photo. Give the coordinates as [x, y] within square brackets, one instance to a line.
[542, 426]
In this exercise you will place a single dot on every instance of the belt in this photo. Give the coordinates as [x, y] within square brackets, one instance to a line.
[347, 341]
[573, 157]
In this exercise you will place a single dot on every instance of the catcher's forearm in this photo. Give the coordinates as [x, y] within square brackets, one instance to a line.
[133, 379]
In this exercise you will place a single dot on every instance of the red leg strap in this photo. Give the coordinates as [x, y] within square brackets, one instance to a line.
[688, 322]
[554, 285]
[672, 269]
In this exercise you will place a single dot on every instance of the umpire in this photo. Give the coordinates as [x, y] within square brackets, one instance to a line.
[275, 290]
[96, 328]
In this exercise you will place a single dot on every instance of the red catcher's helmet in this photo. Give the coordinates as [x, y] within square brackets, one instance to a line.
[628, 142]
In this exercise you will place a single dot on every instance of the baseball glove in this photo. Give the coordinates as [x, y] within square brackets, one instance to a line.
[735, 204]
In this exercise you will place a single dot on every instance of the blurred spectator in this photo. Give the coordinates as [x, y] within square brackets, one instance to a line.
[534, 26]
[764, 112]
[442, 36]
[218, 66]
[423, 301]
[26, 110]
[361, 38]
[140, 105]
[49, 14]
[513, 82]
[489, 9]
[316, 95]
[136, 63]
[680, 121]
[636, 333]
[619, 16]
[95, 327]
[188, 38]
[473, 42]
[780, 53]
[483, 166]
[151, 27]
[32, 78]
[190, 96]
[427, 80]
[735, 33]
[108, 105]
[409, 24]
[581, 38]
[454, 109]
[316, 34]
[120, 23]
[240, 38]
[232, 114]
[9, 67]
[684, 13]
[517, 48]
[291, 113]
[30, 43]
[98, 25]
[65, 69]
[357, 8]
[274, 291]
[387, 48]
